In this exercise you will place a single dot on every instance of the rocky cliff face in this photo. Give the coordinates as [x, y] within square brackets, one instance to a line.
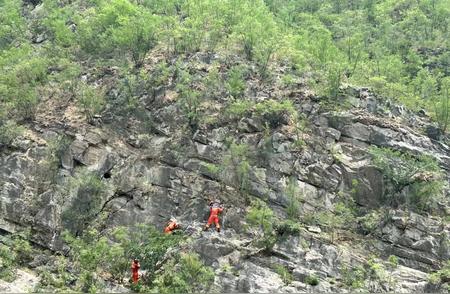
[152, 172]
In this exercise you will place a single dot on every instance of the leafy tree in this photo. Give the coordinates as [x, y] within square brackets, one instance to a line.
[20, 78]
[236, 162]
[9, 130]
[56, 23]
[261, 216]
[7, 263]
[89, 192]
[137, 34]
[12, 30]
[292, 192]
[189, 99]
[420, 175]
[186, 274]
[235, 83]
[119, 26]
[441, 105]
[90, 99]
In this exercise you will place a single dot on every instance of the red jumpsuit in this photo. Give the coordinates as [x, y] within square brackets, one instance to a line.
[171, 226]
[214, 217]
[135, 266]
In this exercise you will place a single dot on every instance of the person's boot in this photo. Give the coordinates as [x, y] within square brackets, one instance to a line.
[218, 229]
[205, 228]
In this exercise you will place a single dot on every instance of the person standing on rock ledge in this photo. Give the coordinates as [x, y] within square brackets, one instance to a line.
[214, 209]
[135, 266]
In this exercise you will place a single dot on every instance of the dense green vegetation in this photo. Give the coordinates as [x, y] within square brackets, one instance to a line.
[89, 193]
[94, 256]
[416, 181]
[399, 48]
[56, 53]
[15, 251]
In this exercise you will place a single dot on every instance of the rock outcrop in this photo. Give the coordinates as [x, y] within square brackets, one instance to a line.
[167, 171]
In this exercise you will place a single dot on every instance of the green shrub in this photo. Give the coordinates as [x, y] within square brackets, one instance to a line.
[7, 263]
[354, 277]
[333, 80]
[23, 250]
[275, 112]
[442, 275]
[284, 274]
[293, 195]
[272, 111]
[393, 261]
[376, 270]
[288, 227]
[55, 23]
[235, 83]
[146, 244]
[261, 216]
[371, 221]
[343, 217]
[89, 192]
[421, 175]
[59, 279]
[185, 274]
[189, 99]
[9, 130]
[13, 25]
[236, 162]
[91, 100]
[312, 280]
[118, 26]
[20, 79]
[441, 105]
[239, 109]
[94, 255]
[137, 34]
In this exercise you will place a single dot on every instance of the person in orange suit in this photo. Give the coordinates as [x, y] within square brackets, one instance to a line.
[172, 225]
[135, 266]
[215, 208]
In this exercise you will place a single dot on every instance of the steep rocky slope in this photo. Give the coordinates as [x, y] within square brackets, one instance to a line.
[153, 171]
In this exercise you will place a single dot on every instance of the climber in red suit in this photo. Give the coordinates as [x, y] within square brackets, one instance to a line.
[135, 266]
[172, 225]
[214, 209]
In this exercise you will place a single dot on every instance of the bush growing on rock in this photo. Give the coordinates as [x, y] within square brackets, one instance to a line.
[442, 275]
[13, 24]
[293, 195]
[184, 274]
[9, 130]
[354, 277]
[262, 217]
[89, 192]
[418, 178]
[236, 162]
[118, 26]
[189, 99]
[441, 105]
[235, 83]
[21, 75]
[284, 274]
[94, 255]
[312, 280]
[16, 252]
[90, 99]
[273, 112]
[7, 263]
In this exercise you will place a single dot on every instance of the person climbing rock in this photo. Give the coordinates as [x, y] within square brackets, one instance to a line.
[135, 266]
[171, 226]
[215, 208]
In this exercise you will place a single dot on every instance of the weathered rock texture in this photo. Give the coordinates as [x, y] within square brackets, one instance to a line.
[162, 171]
